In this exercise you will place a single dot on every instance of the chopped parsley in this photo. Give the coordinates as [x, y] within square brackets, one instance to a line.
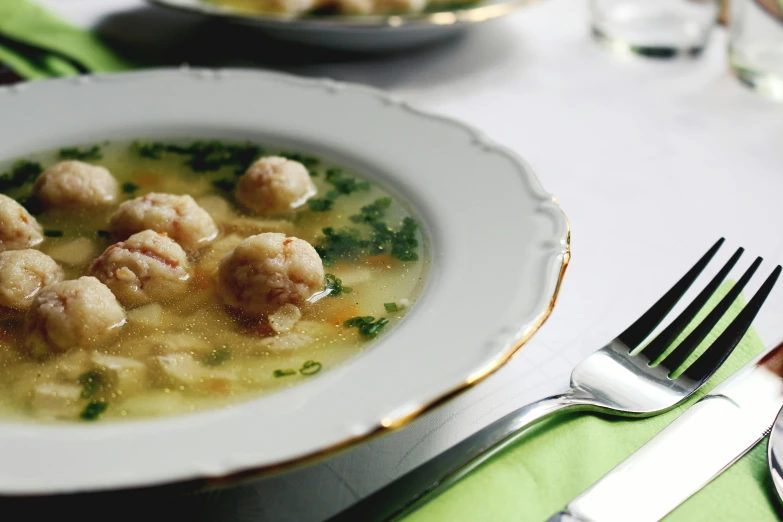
[335, 286]
[150, 150]
[205, 156]
[391, 307]
[310, 367]
[104, 234]
[320, 205]
[345, 243]
[358, 321]
[91, 382]
[213, 155]
[32, 204]
[22, 172]
[367, 325]
[404, 242]
[217, 357]
[343, 184]
[224, 184]
[75, 153]
[53, 233]
[373, 212]
[93, 410]
[348, 243]
[129, 188]
[309, 162]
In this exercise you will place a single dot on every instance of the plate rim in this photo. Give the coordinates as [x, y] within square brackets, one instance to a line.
[448, 18]
[385, 425]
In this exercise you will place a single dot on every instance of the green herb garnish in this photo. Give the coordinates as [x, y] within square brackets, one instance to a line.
[335, 286]
[391, 307]
[344, 184]
[32, 204]
[104, 234]
[224, 184]
[91, 382]
[320, 205]
[367, 325]
[348, 243]
[308, 161]
[53, 233]
[217, 357]
[205, 156]
[75, 153]
[150, 150]
[404, 242]
[373, 212]
[310, 367]
[358, 321]
[345, 243]
[129, 188]
[93, 410]
[373, 329]
[22, 172]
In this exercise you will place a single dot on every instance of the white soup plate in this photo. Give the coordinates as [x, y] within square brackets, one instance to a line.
[497, 245]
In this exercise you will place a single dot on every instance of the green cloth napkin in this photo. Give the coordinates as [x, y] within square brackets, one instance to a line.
[559, 459]
[24, 22]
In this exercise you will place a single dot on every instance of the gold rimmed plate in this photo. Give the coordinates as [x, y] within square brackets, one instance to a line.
[358, 33]
[498, 246]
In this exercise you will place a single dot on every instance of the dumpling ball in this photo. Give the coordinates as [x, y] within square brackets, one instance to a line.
[275, 186]
[179, 217]
[147, 267]
[269, 270]
[18, 229]
[72, 314]
[76, 185]
[22, 275]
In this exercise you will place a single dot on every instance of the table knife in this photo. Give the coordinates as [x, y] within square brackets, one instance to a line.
[694, 449]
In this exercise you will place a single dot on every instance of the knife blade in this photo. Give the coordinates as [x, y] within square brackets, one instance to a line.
[694, 449]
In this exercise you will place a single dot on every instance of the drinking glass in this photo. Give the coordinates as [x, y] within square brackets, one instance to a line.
[756, 44]
[657, 28]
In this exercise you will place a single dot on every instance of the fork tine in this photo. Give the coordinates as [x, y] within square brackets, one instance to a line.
[687, 346]
[664, 339]
[719, 351]
[638, 331]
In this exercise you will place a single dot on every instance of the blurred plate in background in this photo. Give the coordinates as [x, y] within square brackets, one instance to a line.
[358, 33]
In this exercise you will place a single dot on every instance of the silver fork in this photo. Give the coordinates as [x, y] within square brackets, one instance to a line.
[615, 380]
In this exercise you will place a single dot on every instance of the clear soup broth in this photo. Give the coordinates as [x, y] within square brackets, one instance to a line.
[194, 352]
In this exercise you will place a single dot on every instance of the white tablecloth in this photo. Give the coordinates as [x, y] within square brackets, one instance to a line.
[652, 161]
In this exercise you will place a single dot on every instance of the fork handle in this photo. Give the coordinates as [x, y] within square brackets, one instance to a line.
[434, 476]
